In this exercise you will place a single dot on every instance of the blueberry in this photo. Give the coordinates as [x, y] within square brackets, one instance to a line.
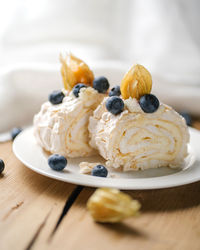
[99, 171]
[101, 84]
[115, 105]
[57, 162]
[115, 91]
[149, 103]
[187, 117]
[77, 87]
[15, 132]
[56, 97]
[2, 166]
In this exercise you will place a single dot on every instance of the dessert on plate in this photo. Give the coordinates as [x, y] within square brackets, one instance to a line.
[129, 127]
[135, 131]
[61, 126]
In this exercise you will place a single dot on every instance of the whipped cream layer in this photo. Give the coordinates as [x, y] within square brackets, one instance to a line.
[136, 140]
[63, 128]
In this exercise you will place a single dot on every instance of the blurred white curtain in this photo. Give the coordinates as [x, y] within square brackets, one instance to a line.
[40, 29]
[162, 35]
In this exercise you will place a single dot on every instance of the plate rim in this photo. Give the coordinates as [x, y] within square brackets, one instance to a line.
[81, 179]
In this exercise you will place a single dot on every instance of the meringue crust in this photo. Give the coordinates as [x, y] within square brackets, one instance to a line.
[63, 128]
[136, 140]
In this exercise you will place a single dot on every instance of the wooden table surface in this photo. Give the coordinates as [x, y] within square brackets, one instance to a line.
[37, 212]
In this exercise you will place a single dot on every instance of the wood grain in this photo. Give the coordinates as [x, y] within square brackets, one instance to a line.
[169, 220]
[32, 205]
[28, 200]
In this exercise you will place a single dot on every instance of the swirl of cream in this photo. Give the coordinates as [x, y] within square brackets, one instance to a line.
[63, 128]
[136, 140]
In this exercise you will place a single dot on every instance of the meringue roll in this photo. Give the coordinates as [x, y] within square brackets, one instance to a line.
[63, 128]
[134, 140]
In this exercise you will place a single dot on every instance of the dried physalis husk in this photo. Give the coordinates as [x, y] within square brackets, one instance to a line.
[136, 82]
[74, 71]
[111, 205]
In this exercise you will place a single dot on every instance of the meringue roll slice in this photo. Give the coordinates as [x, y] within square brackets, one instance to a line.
[141, 136]
[136, 140]
[63, 128]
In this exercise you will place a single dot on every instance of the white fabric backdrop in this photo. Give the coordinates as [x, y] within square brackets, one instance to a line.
[162, 35]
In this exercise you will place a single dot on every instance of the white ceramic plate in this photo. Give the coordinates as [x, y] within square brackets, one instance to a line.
[32, 156]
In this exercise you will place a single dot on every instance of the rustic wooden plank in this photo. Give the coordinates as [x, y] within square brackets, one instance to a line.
[29, 201]
[45, 238]
[169, 220]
